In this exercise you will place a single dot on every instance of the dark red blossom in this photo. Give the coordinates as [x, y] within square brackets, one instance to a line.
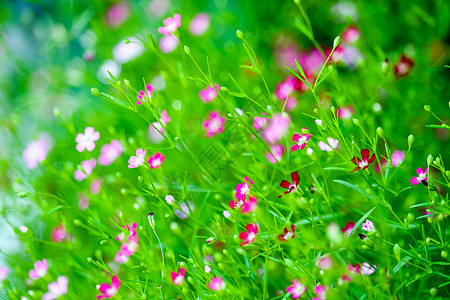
[290, 186]
[363, 162]
[403, 67]
[288, 234]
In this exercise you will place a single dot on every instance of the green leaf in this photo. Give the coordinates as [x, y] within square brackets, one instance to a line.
[361, 220]
[300, 69]
[354, 187]
[299, 77]
[115, 100]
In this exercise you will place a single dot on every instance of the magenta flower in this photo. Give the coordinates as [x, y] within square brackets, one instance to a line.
[348, 229]
[110, 152]
[37, 151]
[3, 273]
[130, 231]
[363, 162]
[109, 291]
[216, 284]
[57, 288]
[285, 88]
[277, 152]
[156, 160]
[296, 289]
[40, 269]
[170, 25]
[168, 43]
[320, 292]
[136, 161]
[214, 125]
[287, 235]
[290, 186]
[199, 24]
[242, 189]
[178, 278]
[332, 144]
[246, 206]
[59, 234]
[165, 118]
[260, 122]
[345, 113]
[300, 140]
[144, 95]
[249, 236]
[87, 140]
[131, 246]
[88, 166]
[367, 269]
[403, 66]
[368, 225]
[277, 128]
[209, 93]
[422, 178]
[121, 257]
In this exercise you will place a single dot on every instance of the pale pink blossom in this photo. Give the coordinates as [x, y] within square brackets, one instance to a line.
[40, 269]
[144, 96]
[199, 24]
[4, 271]
[260, 122]
[87, 140]
[296, 289]
[226, 214]
[216, 284]
[285, 88]
[207, 269]
[170, 25]
[136, 161]
[350, 35]
[158, 8]
[109, 291]
[321, 292]
[368, 225]
[37, 151]
[367, 269]
[83, 201]
[117, 14]
[214, 125]
[277, 152]
[325, 262]
[88, 166]
[186, 209]
[332, 144]
[170, 199]
[110, 152]
[57, 288]
[178, 278]
[277, 128]
[209, 93]
[156, 160]
[345, 113]
[168, 43]
[95, 186]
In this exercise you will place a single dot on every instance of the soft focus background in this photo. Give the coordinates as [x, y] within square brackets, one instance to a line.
[53, 52]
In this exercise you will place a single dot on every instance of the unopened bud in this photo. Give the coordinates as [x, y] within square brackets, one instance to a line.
[433, 292]
[410, 217]
[397, 252]
[336, 42]
[437, 161]
[356, 121]
[333, 110]
[151, 220]
[89, 259]
[126, 41]
[444, 254]
[187, 50]
[427, 108]
[380, 132]
[96, 92]
[127, 82]
[239, 34]
[429, 159]
[410, 140]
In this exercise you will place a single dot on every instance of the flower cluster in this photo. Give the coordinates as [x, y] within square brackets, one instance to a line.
[129, 246]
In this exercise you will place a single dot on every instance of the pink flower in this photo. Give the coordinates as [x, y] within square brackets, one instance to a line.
[170, 25]
[199, 24]
[156, 160]
[131, 231]
[40, 269]
[278, 127]
[368, 225]
[288, 234]
[83, 201]
[88, 166]
[363, 162]
[367, 269]
[277, 152]
[121, 257]
[37, 151]
[250, 236]
[290, 186]
[178, 278]
[165, 117]
[117, 14]
[168, 43]
[260, 122]
[136, 161]
[214, 125]
[57, 288]
[170, 199]
[397, 157]
[320, 292]
[158, 7]
[325, 262]
[58, 234]
[291, 103]
[287, 87]
[246, 206]
[87, 140]
[209, 94]
[421, 178]
[345, 113]
[95, 186]
[351, 34]
[300, 140]
[109, 291]
[144, 95]
[348, 229]
[109, 153]
[242, 189]
[296, 289]
[216, 284]
[131, 246]
[3, 273]
[332, 144]
[403, 67]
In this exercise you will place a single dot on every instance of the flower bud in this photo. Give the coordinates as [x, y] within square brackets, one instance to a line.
[96, 92]
[77, 222]
[239, 34]
[187, 50]
[444, 254]
[380, 132]
[433, 292]
[410, 217]
[410, 140]
[430, 220]
[427, 108]
[397, 252]
[333, 110]
[356, 121]
[151, 220]
[89, 260]
[429, 159]
[336, 42]
[437, 161]
[127, 82]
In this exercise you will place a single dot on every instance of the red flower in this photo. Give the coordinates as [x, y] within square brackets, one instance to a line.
[364, 162]
[288, 234]
[287, 185]
[403, 67]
